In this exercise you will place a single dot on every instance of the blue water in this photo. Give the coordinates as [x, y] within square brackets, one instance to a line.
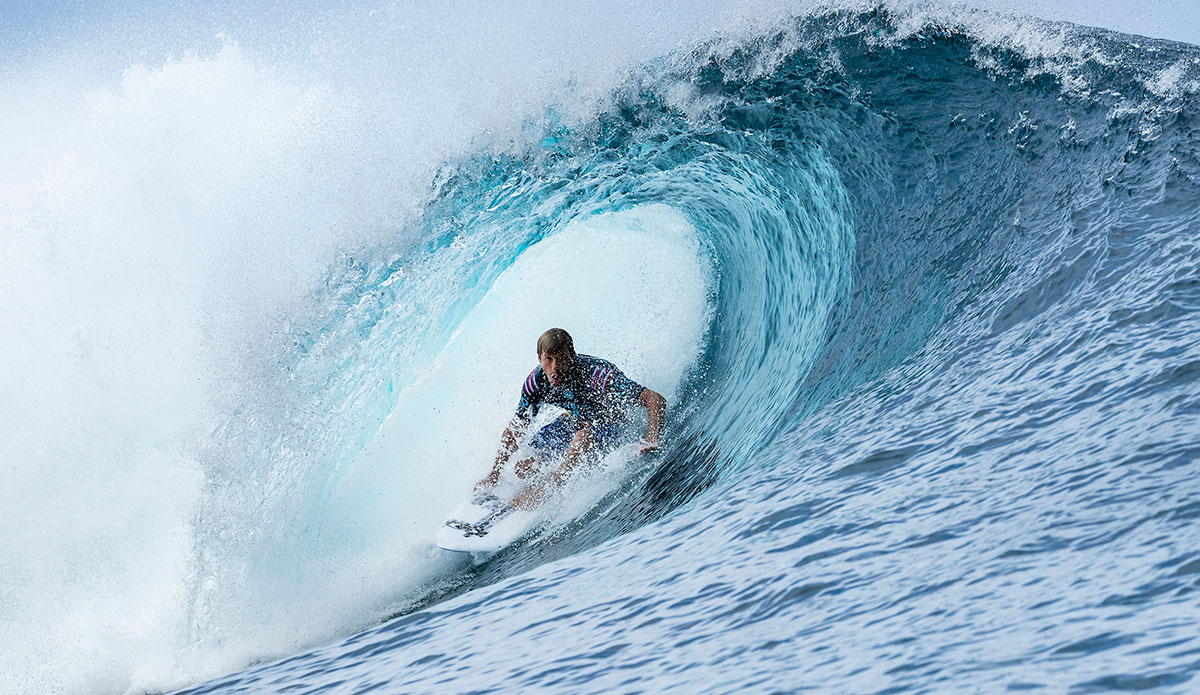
[928, 294]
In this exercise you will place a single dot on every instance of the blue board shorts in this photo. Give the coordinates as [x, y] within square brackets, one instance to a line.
[556, 437]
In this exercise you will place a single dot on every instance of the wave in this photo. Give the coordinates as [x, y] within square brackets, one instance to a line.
[758, 225]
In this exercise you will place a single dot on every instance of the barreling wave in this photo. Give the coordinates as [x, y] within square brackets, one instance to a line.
[861, 181]
[818, 218]
[860, 189]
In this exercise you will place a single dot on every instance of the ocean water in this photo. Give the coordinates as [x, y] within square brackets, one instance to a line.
[921, 286]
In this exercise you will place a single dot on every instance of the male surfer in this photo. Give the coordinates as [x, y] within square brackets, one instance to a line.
[596, 396]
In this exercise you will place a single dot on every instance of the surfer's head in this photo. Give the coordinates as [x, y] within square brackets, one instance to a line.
[556, 353]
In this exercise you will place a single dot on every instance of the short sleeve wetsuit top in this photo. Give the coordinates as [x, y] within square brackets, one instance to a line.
[593, 391]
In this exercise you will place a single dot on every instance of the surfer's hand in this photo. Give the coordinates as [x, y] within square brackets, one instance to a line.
[648, 447]
[487, 483]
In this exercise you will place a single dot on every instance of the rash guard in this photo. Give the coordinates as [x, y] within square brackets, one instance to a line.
[593, 391]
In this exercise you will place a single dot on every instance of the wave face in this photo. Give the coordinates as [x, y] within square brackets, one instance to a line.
[922, 294]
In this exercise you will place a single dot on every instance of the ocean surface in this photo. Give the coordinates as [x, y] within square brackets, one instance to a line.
[922, 288]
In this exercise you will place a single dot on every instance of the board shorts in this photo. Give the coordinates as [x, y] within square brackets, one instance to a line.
[555, 438]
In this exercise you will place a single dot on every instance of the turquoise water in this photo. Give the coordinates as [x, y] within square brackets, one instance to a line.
[922, 294]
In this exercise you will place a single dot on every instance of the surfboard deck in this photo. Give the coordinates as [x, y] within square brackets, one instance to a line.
[483, 526]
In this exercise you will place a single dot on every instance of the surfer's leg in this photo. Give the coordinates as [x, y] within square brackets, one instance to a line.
[583, 442]
[524, 468]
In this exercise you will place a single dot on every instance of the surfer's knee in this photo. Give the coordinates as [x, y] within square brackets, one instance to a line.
[583, 439]
[524, 468]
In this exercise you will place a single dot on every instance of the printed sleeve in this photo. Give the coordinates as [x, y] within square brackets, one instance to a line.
[614, 384]
[531, 397]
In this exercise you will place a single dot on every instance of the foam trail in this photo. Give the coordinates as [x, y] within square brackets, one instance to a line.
[127, 282]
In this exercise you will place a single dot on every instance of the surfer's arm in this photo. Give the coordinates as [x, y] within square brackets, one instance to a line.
[655, 404]
[627, 392]
[508, 444]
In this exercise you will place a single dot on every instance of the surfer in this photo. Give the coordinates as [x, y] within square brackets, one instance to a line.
[597, 398]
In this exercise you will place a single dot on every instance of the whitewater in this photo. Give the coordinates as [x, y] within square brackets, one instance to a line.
[920, 282]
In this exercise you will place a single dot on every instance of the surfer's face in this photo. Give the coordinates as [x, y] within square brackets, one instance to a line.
[556, 366]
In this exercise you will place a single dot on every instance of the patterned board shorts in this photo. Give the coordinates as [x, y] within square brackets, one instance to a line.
[556, 437]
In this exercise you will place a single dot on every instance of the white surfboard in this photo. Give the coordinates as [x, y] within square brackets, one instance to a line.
[487, 524]
[484, 526]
